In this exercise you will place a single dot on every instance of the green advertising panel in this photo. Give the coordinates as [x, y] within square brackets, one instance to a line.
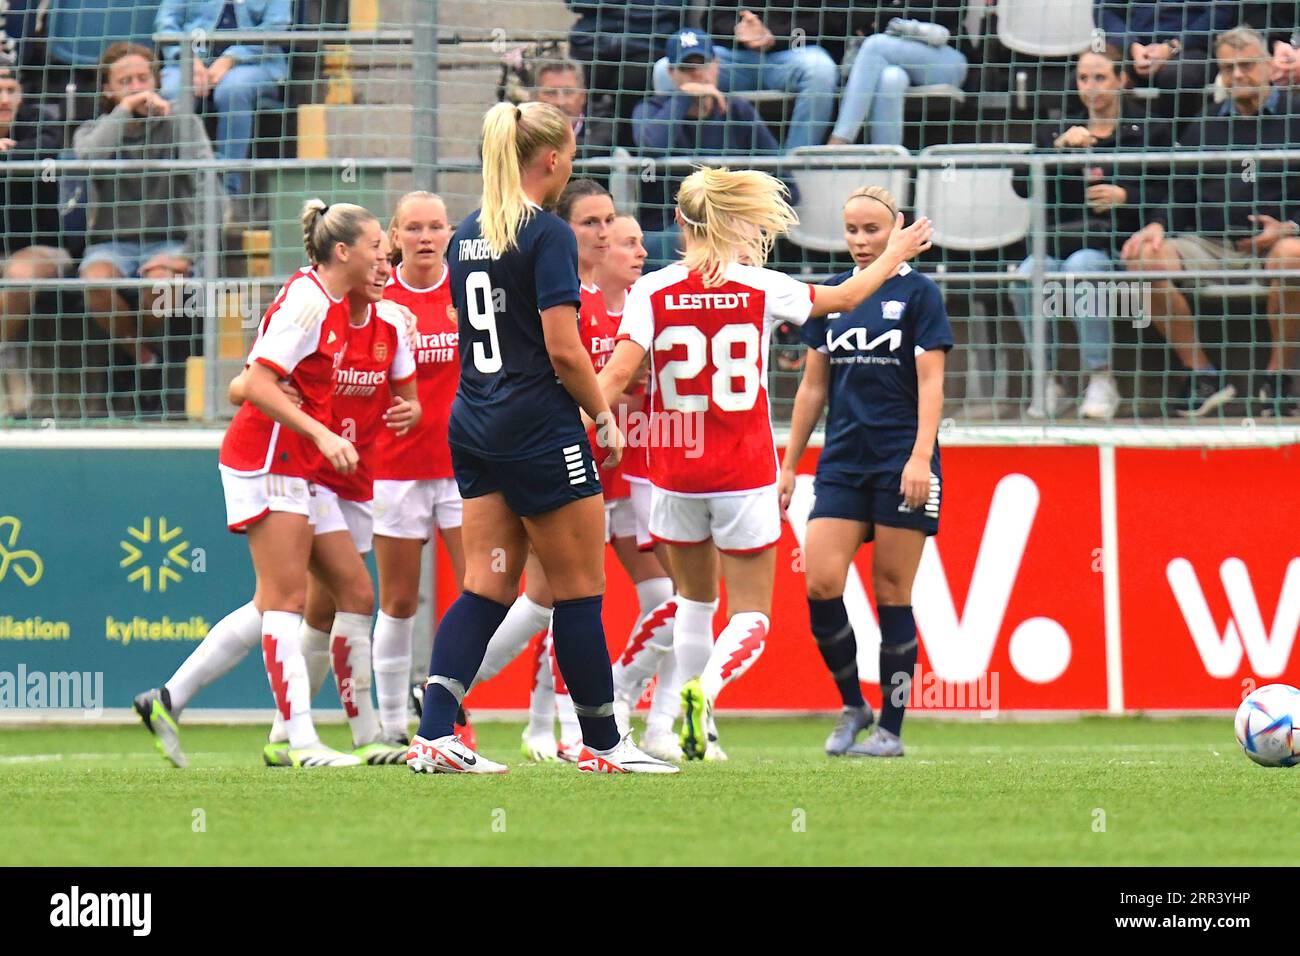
[117, 562]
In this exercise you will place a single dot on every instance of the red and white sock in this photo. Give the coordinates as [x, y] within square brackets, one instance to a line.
[667, 701]
[650, 640]
[524, 619]
[286, 670]
[570, 729]
[394, 637]
[350, 657]
[541, 701]
[316, 654]
[739, 645]
[228, 643]
[693, 636]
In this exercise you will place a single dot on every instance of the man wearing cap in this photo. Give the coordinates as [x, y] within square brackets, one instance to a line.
[772, 49]
[696, 118]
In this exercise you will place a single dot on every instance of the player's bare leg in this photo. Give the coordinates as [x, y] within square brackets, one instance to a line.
[830, 545]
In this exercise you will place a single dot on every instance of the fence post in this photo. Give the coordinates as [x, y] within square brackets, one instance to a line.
[424, 105]
[210, 256]
[1038, 249]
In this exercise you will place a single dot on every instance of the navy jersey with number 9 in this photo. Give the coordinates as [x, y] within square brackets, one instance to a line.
[510, 404]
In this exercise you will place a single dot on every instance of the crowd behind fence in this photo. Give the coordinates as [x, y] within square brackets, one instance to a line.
[154, 156]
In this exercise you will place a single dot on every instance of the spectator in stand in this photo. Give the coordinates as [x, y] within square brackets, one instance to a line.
[1167, 46]
[772, 46]
[141, 224]
[908, 42]
[1221, 219]
[618, 43]
[1279, 21]
[560, 83]
[1089, 210]
[239, 78]
[697, 118]
[29, 227]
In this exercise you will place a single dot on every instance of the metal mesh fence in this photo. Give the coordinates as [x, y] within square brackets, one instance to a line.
[152, 191]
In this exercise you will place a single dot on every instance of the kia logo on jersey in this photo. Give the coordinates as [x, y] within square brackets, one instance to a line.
[851, 340]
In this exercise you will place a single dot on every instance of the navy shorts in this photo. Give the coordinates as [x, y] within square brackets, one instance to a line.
[873, 497]
[531, 486]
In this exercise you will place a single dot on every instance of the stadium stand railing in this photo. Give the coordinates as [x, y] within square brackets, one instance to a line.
[379, 97]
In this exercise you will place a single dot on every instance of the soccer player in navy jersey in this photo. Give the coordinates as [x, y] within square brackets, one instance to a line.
[519, 447]
[878, 478]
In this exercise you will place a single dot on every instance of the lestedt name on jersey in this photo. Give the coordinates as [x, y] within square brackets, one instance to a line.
[707, 300]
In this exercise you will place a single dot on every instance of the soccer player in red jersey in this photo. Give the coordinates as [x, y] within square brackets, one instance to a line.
[706, 324]
[272, 451]
[375, 396]
[649, 645]
[415, 488]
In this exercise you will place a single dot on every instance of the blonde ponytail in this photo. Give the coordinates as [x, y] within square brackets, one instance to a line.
[731, 216]
[512, 135]
[324, 225]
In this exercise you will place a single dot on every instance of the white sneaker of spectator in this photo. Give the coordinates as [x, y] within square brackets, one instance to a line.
[1100, 398]
[1055, 403]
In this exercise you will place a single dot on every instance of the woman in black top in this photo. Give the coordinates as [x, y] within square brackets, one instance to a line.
[1088, 209]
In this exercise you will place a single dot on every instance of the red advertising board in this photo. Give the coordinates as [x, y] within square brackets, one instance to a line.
[1008, 598]
[1209, 561]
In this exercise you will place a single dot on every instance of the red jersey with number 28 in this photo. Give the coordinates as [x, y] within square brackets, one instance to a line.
[301, 339]
[424, 452]
[710, 423]
[598, 330]
[377, 357]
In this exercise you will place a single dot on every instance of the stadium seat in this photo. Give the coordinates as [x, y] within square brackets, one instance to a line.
[937, 91]
[821, 190]
[973, 208]
[1036, 28]
[80, 30]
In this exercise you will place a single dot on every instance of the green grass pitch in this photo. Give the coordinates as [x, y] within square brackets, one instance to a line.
[1090, 791]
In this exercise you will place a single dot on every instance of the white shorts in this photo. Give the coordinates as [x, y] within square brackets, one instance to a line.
[738, 524]
[412, 509]
[331, 513]
[620, 519]
[251, 498]
[640, 500]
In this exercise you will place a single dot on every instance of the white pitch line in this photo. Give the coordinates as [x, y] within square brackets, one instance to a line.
[56, 758]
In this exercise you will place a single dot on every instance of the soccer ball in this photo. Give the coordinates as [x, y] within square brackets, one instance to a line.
[1266, 726]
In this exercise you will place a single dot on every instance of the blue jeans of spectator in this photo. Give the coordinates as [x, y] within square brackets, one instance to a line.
[244, 89]
[1093, 330]
[883, 70]
[808, 73]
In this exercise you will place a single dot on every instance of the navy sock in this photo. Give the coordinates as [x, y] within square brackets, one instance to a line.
[897, 662]
[583, 658]
[458, 647]
[838, 647]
